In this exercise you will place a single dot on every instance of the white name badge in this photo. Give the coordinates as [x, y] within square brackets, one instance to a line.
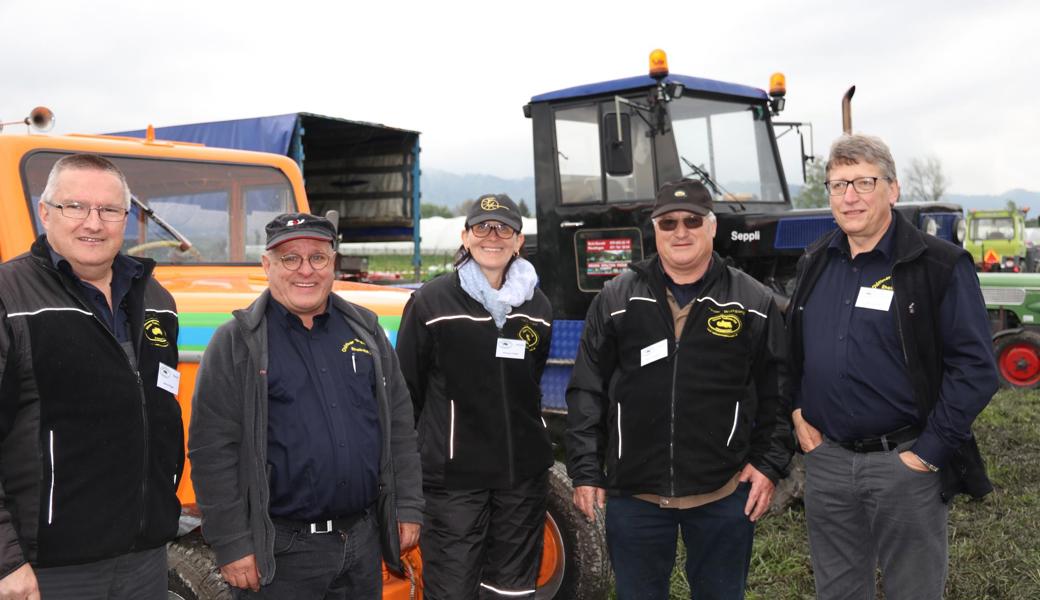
[653, 352]
[874, 299]
[510, 348]
[169, 378]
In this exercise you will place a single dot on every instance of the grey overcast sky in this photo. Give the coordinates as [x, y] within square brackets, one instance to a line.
[955, 79]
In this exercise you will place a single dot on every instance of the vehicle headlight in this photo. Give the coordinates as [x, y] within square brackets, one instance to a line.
[960, 230]
[930, 226]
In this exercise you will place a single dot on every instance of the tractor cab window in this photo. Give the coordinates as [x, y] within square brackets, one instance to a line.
[577, 155]
[581, 134]
[727, 146]
[220, 208]
[993, 228]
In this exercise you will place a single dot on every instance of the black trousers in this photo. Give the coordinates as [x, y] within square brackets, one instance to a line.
[483, 543]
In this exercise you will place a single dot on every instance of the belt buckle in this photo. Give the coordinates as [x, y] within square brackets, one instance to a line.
[328, 527]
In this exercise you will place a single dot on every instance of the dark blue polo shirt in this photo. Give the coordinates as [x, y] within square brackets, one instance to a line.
[855, 382]
[323, 435]
[124, 271]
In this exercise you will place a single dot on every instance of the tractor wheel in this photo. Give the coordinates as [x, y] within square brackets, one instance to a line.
[193, 573]
[1018, 360]
[575, 565]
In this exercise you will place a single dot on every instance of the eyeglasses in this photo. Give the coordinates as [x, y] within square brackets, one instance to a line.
[863, 185]
[670, 223]
[293, 262]
[503, 231]
[80, 211]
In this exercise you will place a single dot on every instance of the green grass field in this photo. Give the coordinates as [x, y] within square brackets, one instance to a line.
[432, 264]
[994, 543]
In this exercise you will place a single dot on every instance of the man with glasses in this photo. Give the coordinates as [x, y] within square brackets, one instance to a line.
[302, 439]
[92, 443]
[891, 360]
[677, 392]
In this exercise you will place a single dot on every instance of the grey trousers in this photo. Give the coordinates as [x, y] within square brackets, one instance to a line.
[870, 510]
[135, 576]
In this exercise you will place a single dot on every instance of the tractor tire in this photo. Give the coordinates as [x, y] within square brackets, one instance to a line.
[584, 571]
[1018, 360]
[790, 489]
[193, 573]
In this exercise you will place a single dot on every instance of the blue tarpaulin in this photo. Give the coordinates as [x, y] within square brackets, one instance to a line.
[261, 134]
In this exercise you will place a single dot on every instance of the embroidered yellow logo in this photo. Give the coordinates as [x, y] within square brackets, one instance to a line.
[725, 325]
[153, 332]
[885, 283]
[489, 203]
[355, 345]
[679, 194]
[529, 336]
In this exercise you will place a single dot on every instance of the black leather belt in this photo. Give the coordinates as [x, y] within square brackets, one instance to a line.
[323, 526]
[884, 443]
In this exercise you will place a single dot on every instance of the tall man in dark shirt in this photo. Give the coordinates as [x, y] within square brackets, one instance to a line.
[91, 441]
[302, 438]
[891, 362]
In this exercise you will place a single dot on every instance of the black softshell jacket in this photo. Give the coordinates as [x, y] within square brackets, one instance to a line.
[479, 416]
[678, 418]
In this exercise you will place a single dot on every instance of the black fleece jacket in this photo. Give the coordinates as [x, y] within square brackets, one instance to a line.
[91, 449]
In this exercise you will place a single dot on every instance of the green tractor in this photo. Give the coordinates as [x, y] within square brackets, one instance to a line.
[1013, 303]
[996, 240]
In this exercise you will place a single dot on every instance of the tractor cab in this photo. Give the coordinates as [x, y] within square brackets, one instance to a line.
[603, 150]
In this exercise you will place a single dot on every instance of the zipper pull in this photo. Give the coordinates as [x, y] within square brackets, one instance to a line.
[353, 360]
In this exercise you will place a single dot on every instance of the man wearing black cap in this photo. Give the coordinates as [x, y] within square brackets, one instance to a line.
[302, 439]
[675, 408]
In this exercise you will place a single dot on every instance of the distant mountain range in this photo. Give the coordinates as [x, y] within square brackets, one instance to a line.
[450, 189]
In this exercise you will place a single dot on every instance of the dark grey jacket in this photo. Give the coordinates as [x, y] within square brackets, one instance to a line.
[227, 439]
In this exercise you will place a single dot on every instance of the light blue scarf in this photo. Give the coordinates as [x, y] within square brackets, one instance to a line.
[518, 288]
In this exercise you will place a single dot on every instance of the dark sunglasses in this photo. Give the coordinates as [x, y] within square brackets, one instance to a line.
[670, 223]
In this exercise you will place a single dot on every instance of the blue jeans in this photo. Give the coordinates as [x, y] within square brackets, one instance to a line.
[339, 565]
[641, 539]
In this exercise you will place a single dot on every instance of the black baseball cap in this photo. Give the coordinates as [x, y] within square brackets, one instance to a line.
[494, 207]
[297, 226]
[685, 194]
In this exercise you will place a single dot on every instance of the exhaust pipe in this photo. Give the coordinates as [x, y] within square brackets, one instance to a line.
[846, 111]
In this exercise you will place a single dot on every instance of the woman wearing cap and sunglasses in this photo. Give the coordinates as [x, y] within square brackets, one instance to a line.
[473, 345]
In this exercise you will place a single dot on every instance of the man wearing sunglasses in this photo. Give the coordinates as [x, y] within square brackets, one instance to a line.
[302, 439]
[92, 442]
[675, 408]
[891, 361]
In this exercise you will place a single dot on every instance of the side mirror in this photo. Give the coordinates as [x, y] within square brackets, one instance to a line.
[617, 144]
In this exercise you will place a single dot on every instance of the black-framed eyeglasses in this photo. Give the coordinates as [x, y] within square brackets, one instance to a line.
[863, 185]
[80, 211]
[671, 223]
[293, 262]
[503, 231]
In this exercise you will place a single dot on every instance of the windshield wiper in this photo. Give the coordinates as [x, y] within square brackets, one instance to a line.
[185, 244]
[707, 179]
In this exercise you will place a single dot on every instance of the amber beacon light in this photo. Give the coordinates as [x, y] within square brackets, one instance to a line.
[658, 64]
[777, 91]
